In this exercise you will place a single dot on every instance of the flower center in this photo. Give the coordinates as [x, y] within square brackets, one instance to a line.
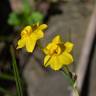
[34, 27]
[57, 49]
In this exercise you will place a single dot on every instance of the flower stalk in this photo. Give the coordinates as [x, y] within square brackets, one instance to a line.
[71, 78]
[16, 73]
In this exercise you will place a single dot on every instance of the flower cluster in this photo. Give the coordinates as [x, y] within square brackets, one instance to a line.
[57, 52]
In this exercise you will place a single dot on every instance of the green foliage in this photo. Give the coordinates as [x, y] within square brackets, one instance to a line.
[16, 73]
[13, 19]
[26, 17]
[26, 7]
[35, 17]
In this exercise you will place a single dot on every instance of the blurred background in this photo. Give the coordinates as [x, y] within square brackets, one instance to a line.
[74, 20]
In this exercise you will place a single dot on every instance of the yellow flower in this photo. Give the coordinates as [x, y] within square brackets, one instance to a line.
[58, 54]
[30, 35]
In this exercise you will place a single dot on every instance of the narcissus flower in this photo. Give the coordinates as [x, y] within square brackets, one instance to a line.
[30, 35]
[58, 54]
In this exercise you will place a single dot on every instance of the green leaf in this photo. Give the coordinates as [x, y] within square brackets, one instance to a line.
[26, 7]
[35, 17]
[13, 19]
[6, 76]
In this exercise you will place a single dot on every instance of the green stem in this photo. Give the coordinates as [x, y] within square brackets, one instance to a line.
[76, 93]
[39, 45]
[74, 82]
[67, 77]
[6, 76]
[16, 73]
[66, 73]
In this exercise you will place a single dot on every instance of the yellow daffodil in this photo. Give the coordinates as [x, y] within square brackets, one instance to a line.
[30, 35]
[58, 54]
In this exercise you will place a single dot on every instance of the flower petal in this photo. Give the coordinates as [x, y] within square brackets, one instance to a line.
[26, 30]
[38, 34]
[65, 58]
[30, 44]
[46, 59]
[21, 43]
[42, 27]
[54, 63]
[46, 51]
[50, 48]
[56, 39]
[68, 46]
